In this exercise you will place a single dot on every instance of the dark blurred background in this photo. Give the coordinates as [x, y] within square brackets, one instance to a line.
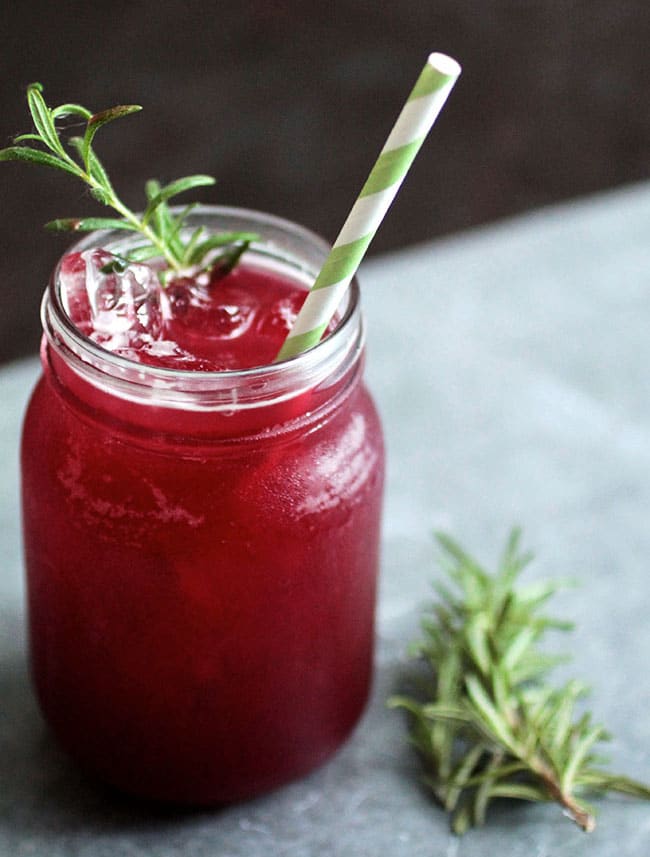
[287, 103]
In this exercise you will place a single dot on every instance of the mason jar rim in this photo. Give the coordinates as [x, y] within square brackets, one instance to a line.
[212, 389]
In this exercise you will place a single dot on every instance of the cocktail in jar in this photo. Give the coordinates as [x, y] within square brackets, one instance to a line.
[201, 524]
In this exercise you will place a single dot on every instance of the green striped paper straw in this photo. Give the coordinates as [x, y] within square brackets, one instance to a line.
[409, 132]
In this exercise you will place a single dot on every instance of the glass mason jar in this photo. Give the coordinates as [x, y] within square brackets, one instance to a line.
[202, 550]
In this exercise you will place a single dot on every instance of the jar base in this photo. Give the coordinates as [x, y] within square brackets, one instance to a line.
[170, 792]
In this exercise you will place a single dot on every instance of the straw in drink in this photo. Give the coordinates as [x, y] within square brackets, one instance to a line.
[404, 141]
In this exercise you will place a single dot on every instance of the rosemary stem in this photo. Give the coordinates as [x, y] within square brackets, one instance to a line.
[115, 202]
[582, 817]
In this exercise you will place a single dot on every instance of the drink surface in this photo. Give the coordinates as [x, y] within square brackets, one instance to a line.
[201, 322]
[200, 604]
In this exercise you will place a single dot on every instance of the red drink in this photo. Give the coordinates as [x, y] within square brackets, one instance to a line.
[202, 545]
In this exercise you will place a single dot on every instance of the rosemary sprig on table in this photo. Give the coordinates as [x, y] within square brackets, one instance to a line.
[486, 722]
[161, 228]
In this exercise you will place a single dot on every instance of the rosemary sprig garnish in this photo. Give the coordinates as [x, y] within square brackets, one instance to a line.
[486, 722]
[161, 228]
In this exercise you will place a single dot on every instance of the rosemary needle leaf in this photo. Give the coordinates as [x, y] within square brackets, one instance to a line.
[602, 781]
[224, 263]
[483, 792]
[224, 238]
[519, 791]
[518, 646]
[487, 714]
[36, 156]
[95, 122]
[70, 110]
[461, 775]
[143, 253]
[487, 723]
[21, 137]
[173, 189]
[477, 641]
[461, 820]
[88, 224]
[579, 755]
[42, 118]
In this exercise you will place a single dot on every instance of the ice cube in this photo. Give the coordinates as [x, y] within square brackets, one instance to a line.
[278, 319]
[116, 305]
[74, 296]
[197, 311]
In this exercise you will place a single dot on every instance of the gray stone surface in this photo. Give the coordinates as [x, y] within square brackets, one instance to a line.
[520, 396]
